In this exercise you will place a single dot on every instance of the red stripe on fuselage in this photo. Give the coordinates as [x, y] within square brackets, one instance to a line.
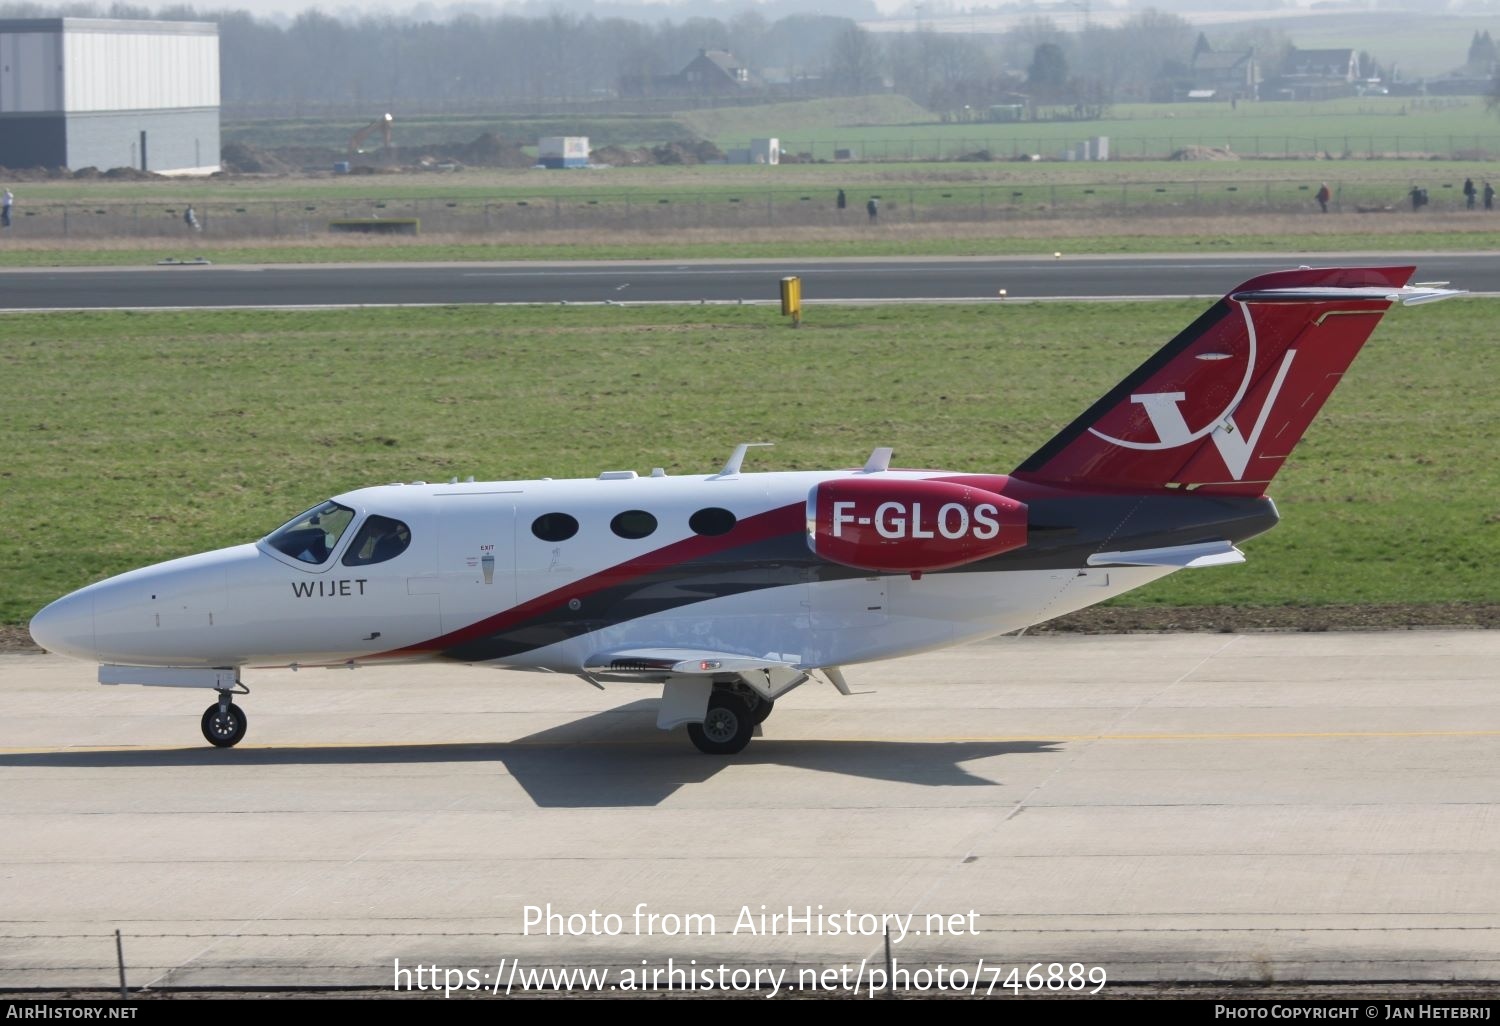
[761, 526]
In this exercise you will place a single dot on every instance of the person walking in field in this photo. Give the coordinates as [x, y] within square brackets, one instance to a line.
[1489, 196]
[842, 200]
[873, 209]
[190, 218]
[1323, 196]
[6, 202]
[1469, 192]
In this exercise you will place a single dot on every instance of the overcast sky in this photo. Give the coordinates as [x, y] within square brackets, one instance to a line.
[677, 9]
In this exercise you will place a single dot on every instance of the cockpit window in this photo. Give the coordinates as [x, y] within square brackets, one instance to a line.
[380, 539]
[314, 535]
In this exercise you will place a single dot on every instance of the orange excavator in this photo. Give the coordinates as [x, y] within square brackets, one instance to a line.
[384, 124]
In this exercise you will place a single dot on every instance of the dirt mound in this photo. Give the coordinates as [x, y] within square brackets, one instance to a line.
[700, 151]
[1204, 153]
[130, 174]
[244, 159]
[489, 150]
[619, 156]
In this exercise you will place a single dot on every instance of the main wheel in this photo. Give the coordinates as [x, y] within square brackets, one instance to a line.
[727, 728]
[221, 730]
[763, 708]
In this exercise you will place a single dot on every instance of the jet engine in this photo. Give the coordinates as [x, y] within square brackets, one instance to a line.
[896, 526]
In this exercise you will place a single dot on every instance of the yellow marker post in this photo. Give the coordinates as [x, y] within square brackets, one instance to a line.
[791, 299]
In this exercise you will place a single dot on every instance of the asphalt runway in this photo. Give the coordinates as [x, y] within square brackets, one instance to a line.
[1198, 807]
[665, 281]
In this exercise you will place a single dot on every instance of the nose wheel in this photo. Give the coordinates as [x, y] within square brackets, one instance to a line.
[224, 722]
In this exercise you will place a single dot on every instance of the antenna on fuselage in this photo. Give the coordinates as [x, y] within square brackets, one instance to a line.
[879, 461]
[732, 465]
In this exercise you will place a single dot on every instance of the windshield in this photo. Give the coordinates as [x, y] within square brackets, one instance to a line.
[314, 535]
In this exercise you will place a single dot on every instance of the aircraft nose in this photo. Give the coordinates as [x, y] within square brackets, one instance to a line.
[67, 626]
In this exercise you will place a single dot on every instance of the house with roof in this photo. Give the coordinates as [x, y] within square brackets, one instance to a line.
[1318, 74]
[717, 72]
[711, 73]
[1222, 74]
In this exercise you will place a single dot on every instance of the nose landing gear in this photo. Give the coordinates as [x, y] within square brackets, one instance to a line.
[224, 722]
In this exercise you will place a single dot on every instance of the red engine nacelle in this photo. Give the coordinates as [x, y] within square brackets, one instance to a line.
[909, 526]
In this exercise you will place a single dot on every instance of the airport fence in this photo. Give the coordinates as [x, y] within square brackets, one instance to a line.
[617, 211]
[996, 145]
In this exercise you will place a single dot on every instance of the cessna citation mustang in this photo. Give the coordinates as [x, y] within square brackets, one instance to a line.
[731, 589]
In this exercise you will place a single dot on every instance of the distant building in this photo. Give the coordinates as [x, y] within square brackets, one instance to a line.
[1341, 65]
[1483, 56]
[760, 151]
[1318, 74]
[560, 151]
[1476, 76]
[711, 73]
[1223, 74]
[94, 92]
[717, 72]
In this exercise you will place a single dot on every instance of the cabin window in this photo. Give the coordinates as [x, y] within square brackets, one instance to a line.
[554, 527]
[712, 521]
[633, 523]
[380, 539]
[314, 535]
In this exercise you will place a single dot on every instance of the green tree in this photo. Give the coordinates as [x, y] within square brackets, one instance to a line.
[854, 64]
[1047, 77]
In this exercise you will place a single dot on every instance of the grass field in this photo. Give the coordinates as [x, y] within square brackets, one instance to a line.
[1071, 236]
[1366, 127]
[935, 209]
[893, 128]
[648, 184]
[429, 130]
[137, 437]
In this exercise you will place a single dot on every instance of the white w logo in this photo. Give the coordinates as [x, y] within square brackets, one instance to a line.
[1234, 445]
[1172, 430]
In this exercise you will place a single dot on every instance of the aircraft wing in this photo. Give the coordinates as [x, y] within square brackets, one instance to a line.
[1216, 553]
[768, 676]
[680, 662]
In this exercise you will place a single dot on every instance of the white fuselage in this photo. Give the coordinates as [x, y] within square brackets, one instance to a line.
[476, 584]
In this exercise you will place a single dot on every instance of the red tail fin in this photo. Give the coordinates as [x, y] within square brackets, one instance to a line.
[1220, 407]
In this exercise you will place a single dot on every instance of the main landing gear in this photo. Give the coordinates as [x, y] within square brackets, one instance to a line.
[730, 722]
[224, 722]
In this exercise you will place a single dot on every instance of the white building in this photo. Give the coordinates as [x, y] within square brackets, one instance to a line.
[92, 92]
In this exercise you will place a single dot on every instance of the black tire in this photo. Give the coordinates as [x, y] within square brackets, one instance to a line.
[727, 727]
[763, 708]
[224, 731]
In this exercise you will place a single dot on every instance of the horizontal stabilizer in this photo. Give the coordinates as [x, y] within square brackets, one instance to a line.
[1217, 553]
[1408, 295]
